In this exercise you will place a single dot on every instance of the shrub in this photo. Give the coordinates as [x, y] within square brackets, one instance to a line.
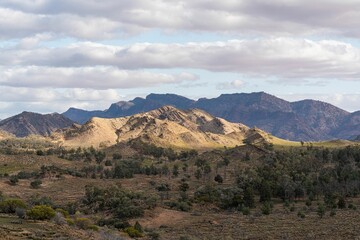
[93, 227]
[132, 232]
[40, 200]
[20, 212]
[246, 210]
[70, 222]
[341, 203]
[40, 153]
[24, 175]
[266, 208]
[153, 235]
[352, 206]
[292, 208]
[332, 212]
[117, 156]
[10, 205]
[218, 178]
[41, 212]
[321, 210]
[301, 214]
[59, 219]
[36, 183]
[63, 212]
[83, 223]
[138, 227]
[13, 179]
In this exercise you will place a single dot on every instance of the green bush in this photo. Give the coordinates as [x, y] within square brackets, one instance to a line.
[246, 211]
[13, 179]
[10, 205]
[41, 212]
[36, 183]
[70, 222]
[132, 232]
[83, 223]
[93, 227]
[138, 227]
[266, 208]
[332, 212]
[341, 203]
[321, 210]
[63, 212]
[20, 212]
[300, 214]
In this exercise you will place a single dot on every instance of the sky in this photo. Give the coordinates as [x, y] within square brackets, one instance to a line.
[91, 53]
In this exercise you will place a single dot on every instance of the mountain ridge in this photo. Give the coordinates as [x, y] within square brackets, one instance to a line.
[305, 120]
[165, 126]
[29, 123]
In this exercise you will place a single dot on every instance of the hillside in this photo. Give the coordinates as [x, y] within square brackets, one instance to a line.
[350, 127]
[306, 120]
[28, 123]
[166, 126]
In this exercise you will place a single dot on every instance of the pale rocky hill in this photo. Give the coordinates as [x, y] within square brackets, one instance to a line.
[166, 126]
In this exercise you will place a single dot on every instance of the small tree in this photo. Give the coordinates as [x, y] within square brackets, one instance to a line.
[341, 203]
[218, 179]
[36, 183]
[10, 205]
[138, 227]
[321, 210]
[198, 174]
[266, 208]
[20, 212]
[13, 179]
[175, 170]
[41, 212]
[249, 197]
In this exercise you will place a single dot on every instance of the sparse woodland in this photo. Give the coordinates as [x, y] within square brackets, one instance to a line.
[118, 192]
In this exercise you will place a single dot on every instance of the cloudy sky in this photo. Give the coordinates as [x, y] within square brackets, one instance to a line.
[90, 53]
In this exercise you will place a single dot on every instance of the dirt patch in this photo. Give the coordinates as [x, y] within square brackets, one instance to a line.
[162, 217]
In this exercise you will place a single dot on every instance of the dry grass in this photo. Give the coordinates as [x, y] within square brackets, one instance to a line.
[230, 225]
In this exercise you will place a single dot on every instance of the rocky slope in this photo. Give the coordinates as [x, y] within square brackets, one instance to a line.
[306, 120]
[28, 123]
[166, 126]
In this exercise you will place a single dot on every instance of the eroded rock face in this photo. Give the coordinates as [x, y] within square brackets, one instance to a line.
[28, 123]
[166, 126]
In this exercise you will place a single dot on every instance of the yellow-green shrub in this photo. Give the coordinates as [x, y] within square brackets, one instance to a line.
[41, 212]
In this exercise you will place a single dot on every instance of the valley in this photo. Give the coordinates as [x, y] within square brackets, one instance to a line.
[257, 190]
[175, 174]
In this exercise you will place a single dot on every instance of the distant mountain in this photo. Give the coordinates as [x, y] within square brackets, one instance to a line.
[27, 123]
[350, 127]
[124, 108]
[166, 127]
[306, 120]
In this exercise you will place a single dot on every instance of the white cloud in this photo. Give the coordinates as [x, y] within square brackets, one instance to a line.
[282, 58]
[46, 100]
[81, 18]
[100, 77]
[348, 101]
[233, 85]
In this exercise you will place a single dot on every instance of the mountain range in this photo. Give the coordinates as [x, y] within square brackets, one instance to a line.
[28, 123]
[306, 120]
[167, 127]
